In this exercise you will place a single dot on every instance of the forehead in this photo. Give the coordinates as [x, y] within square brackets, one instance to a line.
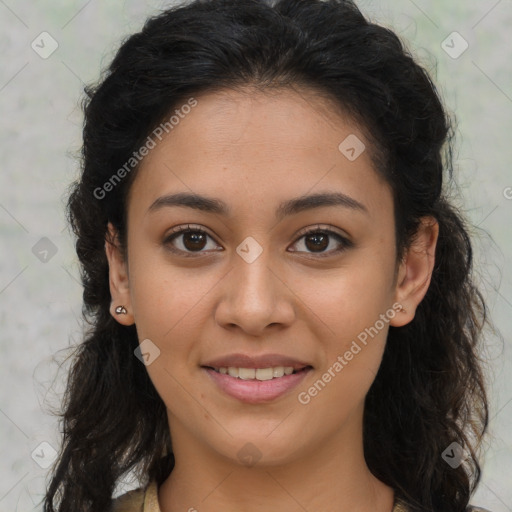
[261, 146]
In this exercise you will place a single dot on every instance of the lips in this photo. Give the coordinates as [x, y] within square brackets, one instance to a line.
[255, 391]
[256, 361]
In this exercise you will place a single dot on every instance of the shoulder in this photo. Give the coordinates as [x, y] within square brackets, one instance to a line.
[138, 500]
[401, 506]
[131, 501]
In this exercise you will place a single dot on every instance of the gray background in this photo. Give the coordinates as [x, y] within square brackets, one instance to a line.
[40, 127]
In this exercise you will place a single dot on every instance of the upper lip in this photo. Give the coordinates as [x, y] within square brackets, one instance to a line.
[260, 361]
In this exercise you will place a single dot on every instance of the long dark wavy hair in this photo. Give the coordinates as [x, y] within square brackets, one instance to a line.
[430, 389]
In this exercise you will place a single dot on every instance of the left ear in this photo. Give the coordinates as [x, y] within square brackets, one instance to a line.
[415, 270]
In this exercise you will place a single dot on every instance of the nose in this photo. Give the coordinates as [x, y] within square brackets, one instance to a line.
[255, 297]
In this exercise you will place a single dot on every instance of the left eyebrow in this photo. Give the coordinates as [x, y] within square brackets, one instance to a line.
[319, 200]
[286, 208]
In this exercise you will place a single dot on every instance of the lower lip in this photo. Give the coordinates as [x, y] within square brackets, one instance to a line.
[256, 391]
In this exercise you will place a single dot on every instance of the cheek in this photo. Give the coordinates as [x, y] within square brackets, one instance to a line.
[164, 295]
[351, 355]
[354, 308]
[350, 299]
[169, 307]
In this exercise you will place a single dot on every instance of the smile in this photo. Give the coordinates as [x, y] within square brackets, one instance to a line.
[257, 373]
[256, 385]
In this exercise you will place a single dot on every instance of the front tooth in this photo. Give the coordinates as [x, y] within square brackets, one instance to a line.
[278, 371]
[264, 373]
[259, 373]
[246, 373]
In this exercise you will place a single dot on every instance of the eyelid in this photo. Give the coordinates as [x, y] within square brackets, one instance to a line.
[186, 227]
[322, 227]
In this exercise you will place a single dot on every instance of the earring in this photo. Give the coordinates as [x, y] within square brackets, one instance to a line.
[121, 310]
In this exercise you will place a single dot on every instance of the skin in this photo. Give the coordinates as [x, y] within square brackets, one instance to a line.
[254, 150]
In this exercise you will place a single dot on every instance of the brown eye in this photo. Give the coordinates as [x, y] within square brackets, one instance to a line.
[194, 241]
[316, 241]
[188, 240]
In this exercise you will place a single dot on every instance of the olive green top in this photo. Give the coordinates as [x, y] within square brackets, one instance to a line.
[146, 500]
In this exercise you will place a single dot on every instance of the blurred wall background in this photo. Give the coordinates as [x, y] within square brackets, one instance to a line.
[49, 49]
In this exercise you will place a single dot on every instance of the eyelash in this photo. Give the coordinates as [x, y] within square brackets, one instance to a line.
[180, 230]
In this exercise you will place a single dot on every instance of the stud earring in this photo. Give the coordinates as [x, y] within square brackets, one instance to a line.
[121, 310]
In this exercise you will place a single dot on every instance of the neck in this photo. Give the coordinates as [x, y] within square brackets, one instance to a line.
[329, 477]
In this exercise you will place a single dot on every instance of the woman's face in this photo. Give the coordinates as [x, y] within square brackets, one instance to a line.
[254, 284]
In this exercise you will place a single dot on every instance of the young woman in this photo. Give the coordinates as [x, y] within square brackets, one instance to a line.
[282, 310]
